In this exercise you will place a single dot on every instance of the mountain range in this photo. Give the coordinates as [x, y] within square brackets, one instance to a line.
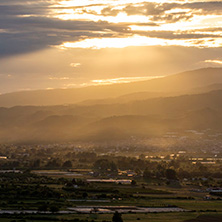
[195, 81]
[186, 101]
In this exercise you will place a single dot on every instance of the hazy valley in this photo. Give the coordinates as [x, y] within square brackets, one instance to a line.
[176, 103]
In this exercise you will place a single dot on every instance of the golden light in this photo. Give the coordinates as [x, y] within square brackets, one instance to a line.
[66, 10]
[214, 61]
[123, 80]
[99, 43]
[100, 82]
[136, 40]
[91, 10]
[70, 14]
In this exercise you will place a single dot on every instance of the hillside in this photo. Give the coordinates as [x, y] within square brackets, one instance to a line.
[147, 118]
[170, 85]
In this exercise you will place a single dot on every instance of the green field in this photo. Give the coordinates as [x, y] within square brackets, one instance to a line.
[33, 192]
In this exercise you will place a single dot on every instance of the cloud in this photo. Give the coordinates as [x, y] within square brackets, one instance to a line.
[100, 82]
[172, 35]
[27, 26]
[75, 65]
[33, 25]
[25, 34]
[211, 7]
[160, 11]
[214, 61]
[122, 80]
[58, 78]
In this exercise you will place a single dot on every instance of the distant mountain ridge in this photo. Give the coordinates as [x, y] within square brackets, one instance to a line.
[178, 84]
[177, 103]
[145, 118]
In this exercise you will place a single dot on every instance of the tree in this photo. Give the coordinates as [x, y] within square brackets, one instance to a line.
[171, 174]
[105, 166]
[113, 167]
[147, 174]
[133, 183]
[138, 171]
[142, 156]
[53, 163]
[85, 195]
[67, 164]
[54, 209]
[36, 163]
[43, 208]
[117, 217]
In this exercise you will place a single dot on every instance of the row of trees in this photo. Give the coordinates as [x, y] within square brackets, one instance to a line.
[171, 170]
[104, 166]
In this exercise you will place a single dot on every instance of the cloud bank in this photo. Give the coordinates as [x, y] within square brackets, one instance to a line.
[27, 26]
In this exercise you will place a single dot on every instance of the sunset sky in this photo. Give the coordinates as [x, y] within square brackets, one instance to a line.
[47, 44]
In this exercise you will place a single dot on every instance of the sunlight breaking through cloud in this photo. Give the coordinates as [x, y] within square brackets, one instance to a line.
[98, 82]
[214, 61]
[123, 80]
[100, 43]
[62, 35]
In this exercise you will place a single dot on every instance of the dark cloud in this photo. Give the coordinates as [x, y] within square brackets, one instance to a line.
[149, 8]
[110, 12]
[29, 2]
[156, 11]
[206, 7]
[172, 18]
[35, 32]
[174, 35]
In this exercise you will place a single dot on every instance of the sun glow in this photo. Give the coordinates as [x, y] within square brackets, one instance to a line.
[123, 80]
[176, 21]
[92, 10]
[69, 14]
[214, 61]
[98, 43]
[136, 40]
[100, 82]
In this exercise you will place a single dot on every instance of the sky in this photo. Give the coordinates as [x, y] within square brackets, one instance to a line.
[47, 44]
